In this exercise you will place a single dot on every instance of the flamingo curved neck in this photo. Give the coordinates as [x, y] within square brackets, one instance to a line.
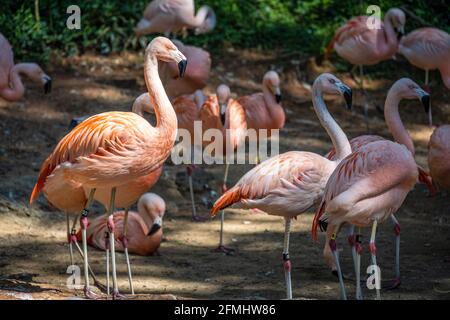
[273, 108]
[200, 17]
[394, 122]
[16, 89]
[338, 137]
[389, 34]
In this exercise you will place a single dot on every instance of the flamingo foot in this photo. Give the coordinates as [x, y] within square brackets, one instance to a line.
[222, 249]
[397, 282]
[89, 294]
[116, 295]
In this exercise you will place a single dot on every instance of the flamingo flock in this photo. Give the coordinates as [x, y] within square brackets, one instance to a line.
[116, 157]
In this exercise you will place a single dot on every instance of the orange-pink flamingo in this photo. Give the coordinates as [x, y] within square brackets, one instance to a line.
[111, 149]
[172, 16]
[293, 182]
[366, 40]
[402, 89]
[439, 156]
[366, 188]
[11, 86]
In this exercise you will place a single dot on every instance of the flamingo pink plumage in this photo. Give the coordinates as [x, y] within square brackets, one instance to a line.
[439, 156]
[293, 182]
[112, 149]
[11, 86]
[171, 16]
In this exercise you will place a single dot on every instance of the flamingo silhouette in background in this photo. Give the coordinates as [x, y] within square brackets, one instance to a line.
[293, 182]
[196, 76]
[139, 233]
[11, 86]
[361, 42]
[402, 89]
[172, 16]
[439, 156]
[111, 149]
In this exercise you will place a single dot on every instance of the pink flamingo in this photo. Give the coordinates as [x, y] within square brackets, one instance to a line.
[196, 76]
[366, 40]
[11, 86]
[402, 89]
[366, 188]
[291, 183]
[439, 156]
[141, 231]
[112, 149]
[171, 16]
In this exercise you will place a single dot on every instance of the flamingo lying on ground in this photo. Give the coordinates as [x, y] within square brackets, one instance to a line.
[402, 89]
[171, 16]
[361, 43]
[196, 76]
[139, 233]
[11, 86]
[439, 156]
[293, 182]
[112, 149]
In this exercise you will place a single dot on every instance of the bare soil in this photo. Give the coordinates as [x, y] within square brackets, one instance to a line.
[33, 250]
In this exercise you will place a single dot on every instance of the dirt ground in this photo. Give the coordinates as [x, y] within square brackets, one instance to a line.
[34, 254]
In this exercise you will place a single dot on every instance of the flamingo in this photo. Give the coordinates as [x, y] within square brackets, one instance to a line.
[196, 76]
[439, 156]
[402, 89]
[141, 231]
[11, 86]
[291, 183]
[111, 149]
[171, 16]
[361, 43]
[263, 110]
[366, 188]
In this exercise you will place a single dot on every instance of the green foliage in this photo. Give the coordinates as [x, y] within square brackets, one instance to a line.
[107, 26]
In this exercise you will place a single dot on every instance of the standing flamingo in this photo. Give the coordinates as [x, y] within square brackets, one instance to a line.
[439, 156]
[112, 149]
[141, 231]
[171, 16]
[11, 86]
[366, 188]
[293, 182]
[402, 89]
[366, 40]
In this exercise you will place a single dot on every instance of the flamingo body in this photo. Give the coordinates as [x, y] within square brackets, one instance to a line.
[439, 156]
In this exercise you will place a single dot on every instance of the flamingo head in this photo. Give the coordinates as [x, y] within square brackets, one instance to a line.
[330, 84]
[272, 81]
[36, 74]
[154, 207]
[405, 88]
[223, 95]
[398, 19]
[164, 49]
[209, 23]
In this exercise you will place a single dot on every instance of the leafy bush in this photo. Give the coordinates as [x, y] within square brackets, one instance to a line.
[107, 25]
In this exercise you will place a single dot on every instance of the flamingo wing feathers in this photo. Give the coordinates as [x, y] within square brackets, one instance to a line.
[434, 43]
[168, 7]
[236, 122]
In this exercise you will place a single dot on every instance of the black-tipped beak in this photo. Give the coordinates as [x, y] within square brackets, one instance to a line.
[155, 227]
[222, 118]
[425, 99]
[347, 93]
[47, 85]
[182, 67]
[278, 98]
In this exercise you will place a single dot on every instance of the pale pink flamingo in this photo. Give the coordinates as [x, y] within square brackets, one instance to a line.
[401, 89]
[11, 86]
[366, 40]
[112, 149]
[293, 182]
[196, 75]
[366, 188]
[439, 156]
[172, 16]
[139, 232]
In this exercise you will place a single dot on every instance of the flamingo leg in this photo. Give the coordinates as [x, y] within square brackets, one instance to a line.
[125, 246]
[190, 173]
[333, 247]
[107, 263]
[351, 242]
[427, 88]
[397, 280]
[358, 249]
[84, 225]
[97, 283]
[366, 103]
[286, 259]
[69, 238]
[115, 293]
[373, 252]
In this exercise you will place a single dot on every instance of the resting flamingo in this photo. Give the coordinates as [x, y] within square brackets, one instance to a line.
[439, 156]
[358, 42]
[402, 89]
[111, 149]
[11, 86]
[366, 188]
[293, 182]
[171, 16]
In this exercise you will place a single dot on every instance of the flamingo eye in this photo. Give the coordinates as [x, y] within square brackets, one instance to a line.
[332, 81]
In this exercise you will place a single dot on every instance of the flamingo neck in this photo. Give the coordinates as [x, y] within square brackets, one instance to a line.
[166, 118]
[394, 122]
[445, 74]
[273, 108]
[338, 137]
[389, 34]
[200, 17]
[16, 89]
